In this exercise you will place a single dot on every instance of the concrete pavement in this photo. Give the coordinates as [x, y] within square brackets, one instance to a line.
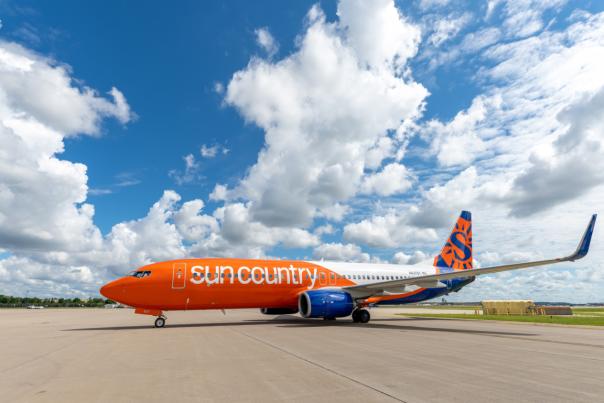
[113, 355]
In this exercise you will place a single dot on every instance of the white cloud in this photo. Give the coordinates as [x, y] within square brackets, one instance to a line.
[42, 198]
[99, 191]
[456, 143]
[387, 231]
[573, 168]
[220, 192]
[191, 224]
[218, 88]
[239, 235]
[341, 252]
[207, 151]
[40, 87]
[318, 129]
[445, 29]
[378, 33]
[324, 229]
[266, 41]
[417, 257]
[393, 179]
[491, 6]
[189, 174]
[525, 17]
[428, 4]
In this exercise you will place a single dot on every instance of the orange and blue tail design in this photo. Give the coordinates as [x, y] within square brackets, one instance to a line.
[457, 252]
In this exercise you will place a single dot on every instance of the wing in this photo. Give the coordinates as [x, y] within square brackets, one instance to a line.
[435, 279]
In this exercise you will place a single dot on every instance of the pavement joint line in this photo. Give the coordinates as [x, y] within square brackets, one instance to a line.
[316, 364]
[44, 355]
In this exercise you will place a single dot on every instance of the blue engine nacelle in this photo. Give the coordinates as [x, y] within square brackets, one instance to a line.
[325, 304]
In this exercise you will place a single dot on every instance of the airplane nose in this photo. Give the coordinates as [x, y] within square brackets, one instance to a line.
[110, 290]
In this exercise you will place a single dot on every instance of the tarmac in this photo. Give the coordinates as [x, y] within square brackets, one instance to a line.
[113, 355]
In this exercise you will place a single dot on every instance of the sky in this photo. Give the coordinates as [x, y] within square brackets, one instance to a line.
[347, 130]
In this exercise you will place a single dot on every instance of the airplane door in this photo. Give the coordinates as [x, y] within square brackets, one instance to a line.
[179, 275]
[322, 278]
[332, 278]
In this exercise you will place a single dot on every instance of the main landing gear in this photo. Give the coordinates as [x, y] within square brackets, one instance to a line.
[360, 316]
[160, 321]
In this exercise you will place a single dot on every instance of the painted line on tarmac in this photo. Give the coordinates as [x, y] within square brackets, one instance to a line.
[316, 364]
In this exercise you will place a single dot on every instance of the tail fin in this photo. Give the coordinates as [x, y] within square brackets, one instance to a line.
[457, 252]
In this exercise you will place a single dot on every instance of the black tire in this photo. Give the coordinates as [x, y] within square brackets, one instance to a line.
[364, 316]
[355, 316]
[160, 322]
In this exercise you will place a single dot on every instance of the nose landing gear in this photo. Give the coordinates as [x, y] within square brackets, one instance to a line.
[360, 316]
[161, 318]
[160, 321]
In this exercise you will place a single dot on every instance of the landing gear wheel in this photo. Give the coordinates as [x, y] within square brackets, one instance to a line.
[363, 315]
[355, 316]
[160, 322]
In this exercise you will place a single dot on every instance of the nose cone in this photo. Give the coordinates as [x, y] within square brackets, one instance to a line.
[111, 290]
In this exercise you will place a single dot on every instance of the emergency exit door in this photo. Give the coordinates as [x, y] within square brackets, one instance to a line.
[179, 275]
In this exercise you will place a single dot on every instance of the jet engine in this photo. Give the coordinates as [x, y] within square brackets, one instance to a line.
[325, 304]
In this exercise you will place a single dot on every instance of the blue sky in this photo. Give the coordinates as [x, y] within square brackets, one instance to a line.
[338, 130]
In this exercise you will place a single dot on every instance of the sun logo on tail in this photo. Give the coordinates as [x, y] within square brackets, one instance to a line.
[457, 252]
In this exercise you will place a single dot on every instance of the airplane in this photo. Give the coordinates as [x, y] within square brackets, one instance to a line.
[315, 289]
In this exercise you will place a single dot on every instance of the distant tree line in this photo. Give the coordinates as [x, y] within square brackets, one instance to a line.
[7, 301]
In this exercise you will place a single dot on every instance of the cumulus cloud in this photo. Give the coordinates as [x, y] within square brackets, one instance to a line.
[324, 229]
[393, 179]
[575, 165]
[31, 83]
[220, 192]
[387, 231]
[403, 258]
[318, 130]
[42, 198]
[341, 252]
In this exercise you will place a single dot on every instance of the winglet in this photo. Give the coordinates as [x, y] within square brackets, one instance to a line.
[583, 247]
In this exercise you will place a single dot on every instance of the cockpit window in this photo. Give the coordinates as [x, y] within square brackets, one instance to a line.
[140, 273]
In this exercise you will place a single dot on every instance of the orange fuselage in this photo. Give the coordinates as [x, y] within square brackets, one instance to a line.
[221, 284]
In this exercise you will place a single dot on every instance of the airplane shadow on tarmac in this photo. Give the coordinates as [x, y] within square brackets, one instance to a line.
[291, 322]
